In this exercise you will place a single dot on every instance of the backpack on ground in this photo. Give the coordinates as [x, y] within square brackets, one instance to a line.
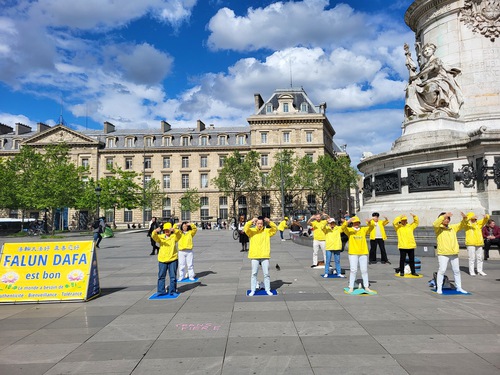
[446, 281]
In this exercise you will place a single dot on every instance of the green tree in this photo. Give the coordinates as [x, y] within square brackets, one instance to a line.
[333, 176]
[190, 200]
[152, 195]
[8, 197]
[239, 175]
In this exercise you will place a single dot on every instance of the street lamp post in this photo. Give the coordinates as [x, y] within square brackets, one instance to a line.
[98, 190]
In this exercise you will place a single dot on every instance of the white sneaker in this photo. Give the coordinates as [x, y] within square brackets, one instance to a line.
[481, 273]
[472, 273]
[191, 279]
[438, 291]
[460, 290]
[340, 275]
[179, 280]
[251, 294]
[325, 275]
[269, 293]
[283, 239]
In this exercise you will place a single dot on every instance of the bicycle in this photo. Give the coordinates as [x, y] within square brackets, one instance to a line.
[236, 234]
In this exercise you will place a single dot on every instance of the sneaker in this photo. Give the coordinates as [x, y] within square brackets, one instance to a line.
[460, 290]
[191, 279]
[472, 273]
[283, 240]
[481, 273]
[269, 293]
[313, 266]
[402, 274]
[251, 294]
[438, 291]
[340, 275]
[388, 262]
[325, 275]
[415, 274]
[242, 250]
[179, 280]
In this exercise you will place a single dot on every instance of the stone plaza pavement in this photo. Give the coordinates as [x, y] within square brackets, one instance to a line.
[310, 327]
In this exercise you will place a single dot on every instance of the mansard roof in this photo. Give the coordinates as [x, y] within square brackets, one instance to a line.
[299, 96]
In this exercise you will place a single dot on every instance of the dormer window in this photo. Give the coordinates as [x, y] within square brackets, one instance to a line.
[241, 139]
[15, 145]
[285, 107]
[129, 142]
[149, 141]
[167, 141]
[110, 142]
[204, 141]
[222, 140]
[185, 141]
[269, 108]
[304, 107]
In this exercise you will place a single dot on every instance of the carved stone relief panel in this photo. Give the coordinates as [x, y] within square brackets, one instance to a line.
[388, 183]
[438, 177]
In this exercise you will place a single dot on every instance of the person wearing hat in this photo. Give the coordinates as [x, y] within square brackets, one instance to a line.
[447, 249]
[317, 222]
[474, 242]
[167, 257]
[358, 250]
[282, 226]
[259, 231]
[333, 245]
[406, 241]
[377, 237]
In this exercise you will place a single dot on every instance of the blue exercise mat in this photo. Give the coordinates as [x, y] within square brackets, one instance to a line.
[452, 292]
[262, 292]
[186, 280]
[333, 276]
[164, 296]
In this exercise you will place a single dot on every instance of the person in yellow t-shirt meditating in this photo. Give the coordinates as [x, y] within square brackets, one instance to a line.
[259, 231]
[358, 250]
[167, 257]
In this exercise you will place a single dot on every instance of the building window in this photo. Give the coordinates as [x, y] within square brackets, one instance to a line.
[128, 163]
[204, 214]
[167, 141]
[15, 145]
[310, 156]
[204, 201]
[285, 107]
[203, 162]
[129, 142]
[167, 208]
[269, 108]
[147, 180]
[241, 139]
[222, 140]
[304, 107]
[185, 181]
[147, 163]
[222, 161]
[148, 214]
[311, 202]
[309, 137]
[204, 141]
[110, 142]
[266, 206]
[286, 137]
[185, 216]
[166, 162]
[264, 178]
[85, 162]
[204, 180]
[185, 141]
[185, 162]
[223, 213]
[166, 181]
[109, 163]
[149, 141]
[263, 138]
[223, 201]
[263, 160]
[127, 216]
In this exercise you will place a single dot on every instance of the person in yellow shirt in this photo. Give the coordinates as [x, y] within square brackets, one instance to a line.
[406, 241]
[333, 245]
[167, 257]
[475, 242]
[377, 238]
[185, 246]
[317, 222]
[259, 231]
[282, 226]
[447, 249]
[358, 250]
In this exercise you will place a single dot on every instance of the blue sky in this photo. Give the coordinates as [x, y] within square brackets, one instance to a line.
[135, 63]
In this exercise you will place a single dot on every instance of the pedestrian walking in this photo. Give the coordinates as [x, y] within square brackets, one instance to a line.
[152, 226]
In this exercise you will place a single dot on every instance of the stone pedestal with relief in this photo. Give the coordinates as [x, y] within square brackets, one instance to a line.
[448, 156]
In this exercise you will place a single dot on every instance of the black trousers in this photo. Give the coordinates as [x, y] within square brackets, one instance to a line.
[155, 246]
[373, 250]
[487, 245]
[411, 260]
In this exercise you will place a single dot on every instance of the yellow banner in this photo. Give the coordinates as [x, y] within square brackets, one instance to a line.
[48, 271]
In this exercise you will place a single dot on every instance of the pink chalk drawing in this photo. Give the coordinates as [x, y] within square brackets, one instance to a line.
[76, 275]
[198, 327]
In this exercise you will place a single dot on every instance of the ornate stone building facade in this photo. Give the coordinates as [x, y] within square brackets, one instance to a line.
[187, 158]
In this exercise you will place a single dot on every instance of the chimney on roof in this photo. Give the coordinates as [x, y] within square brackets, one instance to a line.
[108, 127]
[41, 127]
[22, 129]
[5, 129]
[259, 102]
[165, 127]
[200, 126]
